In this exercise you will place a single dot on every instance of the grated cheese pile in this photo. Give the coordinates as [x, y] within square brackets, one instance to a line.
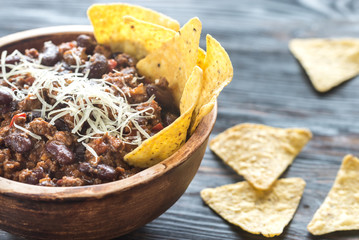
[91, 101]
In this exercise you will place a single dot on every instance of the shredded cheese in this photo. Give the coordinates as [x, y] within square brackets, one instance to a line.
[82, 100]
[92, 151]
[28, 132]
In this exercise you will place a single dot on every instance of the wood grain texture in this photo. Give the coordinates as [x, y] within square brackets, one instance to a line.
[269, 87]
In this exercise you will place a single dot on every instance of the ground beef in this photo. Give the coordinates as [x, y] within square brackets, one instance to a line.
[42, 128]
[29, 103]
[69, 181]
[71, 55]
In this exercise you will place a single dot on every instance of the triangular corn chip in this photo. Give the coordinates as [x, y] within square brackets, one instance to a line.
[340, 209]
[255, 211]
[217, 73]
[131, 29]
[259, 153]
[193, 85]
[138, 38]
[105, 17]
[201, 57]
[175, 59]
[328, 62]
[170, 139]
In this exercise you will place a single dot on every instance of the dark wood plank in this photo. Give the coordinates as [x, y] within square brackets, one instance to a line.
[268, 87]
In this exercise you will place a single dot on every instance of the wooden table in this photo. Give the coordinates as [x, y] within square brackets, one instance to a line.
[268, 87]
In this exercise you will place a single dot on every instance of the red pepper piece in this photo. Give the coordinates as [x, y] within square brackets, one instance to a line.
[16, 116]
[158, 127]
[111, 64]
[71, 45]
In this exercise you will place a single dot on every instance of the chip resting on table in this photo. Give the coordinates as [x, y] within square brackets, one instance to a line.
[328, 62]
[340, 209]
[255, 211]
[259, 153]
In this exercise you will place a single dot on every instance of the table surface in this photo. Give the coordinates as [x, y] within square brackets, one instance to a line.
[268, 87]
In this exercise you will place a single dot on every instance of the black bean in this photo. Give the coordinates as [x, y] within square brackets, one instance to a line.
[80, 152]
[163, 96]
[9, 107]
[39, 172]
[85, 167]
[84, 128]
[86, 42]
[61, 125]
[98, 66]
[12, 59]
[5, 97]
[62, 105]
[31, 180]
[35, 175]
[102, 171]
[4, 109]
[61, 153]
[50, 54]
[106, 172]
[169, 118]
[18, 142]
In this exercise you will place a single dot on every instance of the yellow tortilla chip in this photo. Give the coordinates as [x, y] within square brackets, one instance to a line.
[201, 57]
[106, 17]
[138, 38]
[257, 212]
[131, 29]
[340, 209]
[328, 62]
[175, 59]
[217, 73]
[170, 139]
[194, 84]
[259, 153]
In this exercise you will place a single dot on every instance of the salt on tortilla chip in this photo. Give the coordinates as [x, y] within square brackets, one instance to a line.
[259, 153]
[340, 209]
[120, 26]
[170, 139]
[328, 62]
[217, 73]
[175, 59]
[255, 211]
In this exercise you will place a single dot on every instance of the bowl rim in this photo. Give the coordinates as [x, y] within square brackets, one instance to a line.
[28, 191]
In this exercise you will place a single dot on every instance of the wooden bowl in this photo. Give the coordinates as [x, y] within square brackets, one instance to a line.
[99, 211]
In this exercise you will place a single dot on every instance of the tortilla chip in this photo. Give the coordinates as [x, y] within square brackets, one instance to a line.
[138, 38]
[107, 16]
[259, 153]
[201, 57]
[328, 62]
[340, 209]
[217, 73]
[131, 29]
[175, 59]
[170, 139]
[257, 212]
[194, 84]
